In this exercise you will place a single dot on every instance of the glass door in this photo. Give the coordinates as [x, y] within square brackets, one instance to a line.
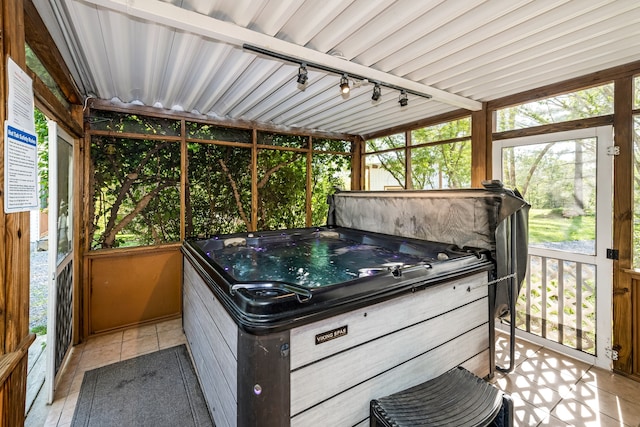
[565, 302]
[60, 321]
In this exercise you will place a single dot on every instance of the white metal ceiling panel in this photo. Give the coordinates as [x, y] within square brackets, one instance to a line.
[188, 54]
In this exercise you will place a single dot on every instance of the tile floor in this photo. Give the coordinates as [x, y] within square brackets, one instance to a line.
[104, 350]
[548, 389]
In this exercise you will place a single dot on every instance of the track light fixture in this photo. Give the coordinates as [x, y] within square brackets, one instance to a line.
[344, 84]
[359, 80]
[302, 74]
[377, 92]
[403, 99]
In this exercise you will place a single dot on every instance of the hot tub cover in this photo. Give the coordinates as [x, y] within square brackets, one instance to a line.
[479, 218]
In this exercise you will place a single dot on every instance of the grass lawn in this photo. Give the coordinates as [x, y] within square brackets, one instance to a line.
[548, 225]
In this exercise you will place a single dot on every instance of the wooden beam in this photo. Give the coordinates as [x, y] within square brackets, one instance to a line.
[40, 41]
[623, 225]
[14, 238]
[357, 162]
[555, 127]
[254, 181]
[53, 108]
[479, 171]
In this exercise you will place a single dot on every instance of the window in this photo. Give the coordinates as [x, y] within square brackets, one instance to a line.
[441, 155]
[137, 169]
[136, 198]
[592, 102]
[330, 170]
[218, 190]
[282, 180]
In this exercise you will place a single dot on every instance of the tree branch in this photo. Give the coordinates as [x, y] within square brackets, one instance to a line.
[236, 193]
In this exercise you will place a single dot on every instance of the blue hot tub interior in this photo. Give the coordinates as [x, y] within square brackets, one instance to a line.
[319, 257]
[267, 280]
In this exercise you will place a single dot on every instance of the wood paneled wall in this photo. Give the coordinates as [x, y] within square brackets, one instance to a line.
[14, 249]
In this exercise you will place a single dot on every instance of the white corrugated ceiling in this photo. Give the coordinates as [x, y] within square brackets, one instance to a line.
[188, 54]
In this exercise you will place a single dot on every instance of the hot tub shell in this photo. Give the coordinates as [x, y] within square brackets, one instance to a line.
[291, 359]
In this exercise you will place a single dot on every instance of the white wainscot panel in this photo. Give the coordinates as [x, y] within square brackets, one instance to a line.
[352, 406]
[371, 322]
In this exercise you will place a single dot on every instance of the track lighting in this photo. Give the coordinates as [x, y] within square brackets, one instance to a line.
[377, 92]
[302, 74]
[344, 84]
[403, 99]
[359, 80]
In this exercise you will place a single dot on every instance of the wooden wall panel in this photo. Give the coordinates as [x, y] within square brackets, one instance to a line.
[635, 292]
[133, 287]
[623, 225]
[14, 247]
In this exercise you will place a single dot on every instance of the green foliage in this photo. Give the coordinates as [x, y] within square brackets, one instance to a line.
[133, 123]
[336, 145]
[329, 172]
[582, 104]
[136, 191]
[545, 225]
[554, 175]
[281, 189]
[136, 181]
[219, 190]
[217, 133]
[39, 330]
[437, 165]
[42, 131]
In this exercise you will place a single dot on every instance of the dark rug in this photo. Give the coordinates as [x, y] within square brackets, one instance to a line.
[157, 389]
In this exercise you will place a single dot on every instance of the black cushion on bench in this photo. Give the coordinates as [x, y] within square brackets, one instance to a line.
[455, 398]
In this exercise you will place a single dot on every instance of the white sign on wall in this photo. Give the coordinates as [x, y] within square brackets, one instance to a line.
[20, 170]
[20, 97]
[20, 143]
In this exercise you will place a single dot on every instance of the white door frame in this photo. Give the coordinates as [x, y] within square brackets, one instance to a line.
[54, 266]
[604, 237]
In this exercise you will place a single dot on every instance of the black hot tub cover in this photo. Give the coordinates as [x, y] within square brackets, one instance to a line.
[476, 218]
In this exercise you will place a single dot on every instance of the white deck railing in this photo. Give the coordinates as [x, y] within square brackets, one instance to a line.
[558, 299]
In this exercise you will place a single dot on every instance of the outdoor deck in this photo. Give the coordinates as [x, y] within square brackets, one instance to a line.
[548, 389]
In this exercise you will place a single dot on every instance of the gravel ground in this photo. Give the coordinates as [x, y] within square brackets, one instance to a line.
[39, 289]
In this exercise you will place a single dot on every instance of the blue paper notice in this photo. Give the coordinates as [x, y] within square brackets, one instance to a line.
[20, 170]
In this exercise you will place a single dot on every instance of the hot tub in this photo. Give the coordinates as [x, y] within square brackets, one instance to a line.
[304, 327]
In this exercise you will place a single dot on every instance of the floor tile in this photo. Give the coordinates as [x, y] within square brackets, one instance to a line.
[580, 414]
[98, 357]
[169, 325]
[171, 338]
[551, 421]
[136, 347]
[139, 332]
[525, 414]
[523, 350]
[625, 408]
[614, 383]
[103, 340]
[545, 376]
[547, 388]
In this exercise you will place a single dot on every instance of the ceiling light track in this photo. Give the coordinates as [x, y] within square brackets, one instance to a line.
[332, 70]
